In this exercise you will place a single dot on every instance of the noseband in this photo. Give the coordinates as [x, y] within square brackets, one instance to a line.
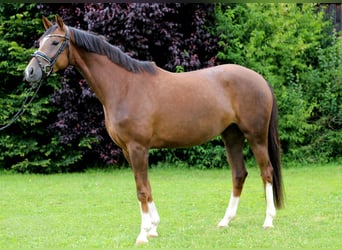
[47, 69]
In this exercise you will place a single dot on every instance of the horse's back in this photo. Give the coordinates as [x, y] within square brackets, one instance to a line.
[226, 79]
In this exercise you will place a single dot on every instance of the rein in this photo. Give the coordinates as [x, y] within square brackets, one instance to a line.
[26, 102]
[46, 70]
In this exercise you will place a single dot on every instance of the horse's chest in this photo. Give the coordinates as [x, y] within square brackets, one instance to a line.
[113, 130]
[123, 130]
[114, 135]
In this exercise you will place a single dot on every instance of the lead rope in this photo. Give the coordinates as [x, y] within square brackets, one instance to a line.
[27, 101]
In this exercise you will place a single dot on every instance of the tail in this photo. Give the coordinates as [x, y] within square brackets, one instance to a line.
[274, 154]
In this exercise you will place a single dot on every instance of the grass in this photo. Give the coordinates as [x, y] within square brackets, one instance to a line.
[99, 209]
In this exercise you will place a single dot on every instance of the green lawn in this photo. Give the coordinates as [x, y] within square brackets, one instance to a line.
[99, 209]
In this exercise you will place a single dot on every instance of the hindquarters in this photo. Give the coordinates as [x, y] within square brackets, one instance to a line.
[255, 110]
[262, 135]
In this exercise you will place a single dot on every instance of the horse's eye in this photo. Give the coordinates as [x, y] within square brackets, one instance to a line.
[55, 43]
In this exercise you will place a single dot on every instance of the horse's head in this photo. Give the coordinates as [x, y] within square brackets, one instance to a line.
[53, 53]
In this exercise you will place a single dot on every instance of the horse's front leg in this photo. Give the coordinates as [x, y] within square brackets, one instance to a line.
[138, 158]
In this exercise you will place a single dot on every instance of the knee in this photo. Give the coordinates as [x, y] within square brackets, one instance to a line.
[142, 196]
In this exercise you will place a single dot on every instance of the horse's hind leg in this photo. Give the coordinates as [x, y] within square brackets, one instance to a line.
[234, 142]
[260, 151]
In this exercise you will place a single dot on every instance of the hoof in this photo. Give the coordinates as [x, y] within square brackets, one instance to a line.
[153, 234]
[222, 224]
[268, 227]
[268, 223]
[139, 242]
[142, 238]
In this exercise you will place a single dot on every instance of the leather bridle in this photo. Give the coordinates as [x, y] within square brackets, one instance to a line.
[47, 68]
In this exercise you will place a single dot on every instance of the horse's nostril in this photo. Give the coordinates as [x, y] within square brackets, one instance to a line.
[31, 71]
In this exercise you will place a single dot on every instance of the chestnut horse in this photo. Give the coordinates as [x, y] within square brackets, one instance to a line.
[147, 107]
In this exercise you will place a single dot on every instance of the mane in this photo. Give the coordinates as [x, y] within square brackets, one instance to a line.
[96, 44]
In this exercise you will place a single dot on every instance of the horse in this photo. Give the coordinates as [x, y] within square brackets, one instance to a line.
[147, 107]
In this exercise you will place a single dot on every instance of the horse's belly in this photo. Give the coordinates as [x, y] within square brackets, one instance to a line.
[191, 130]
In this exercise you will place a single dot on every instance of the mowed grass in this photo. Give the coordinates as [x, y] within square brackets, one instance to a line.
[99, 209]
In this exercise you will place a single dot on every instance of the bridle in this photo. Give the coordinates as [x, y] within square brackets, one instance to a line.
[47, 69]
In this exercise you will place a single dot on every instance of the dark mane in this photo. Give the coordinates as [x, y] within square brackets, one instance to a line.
[96, 44]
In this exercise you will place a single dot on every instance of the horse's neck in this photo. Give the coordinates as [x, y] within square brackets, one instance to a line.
[105, 78]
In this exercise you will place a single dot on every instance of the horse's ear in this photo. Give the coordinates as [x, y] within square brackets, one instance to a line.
[47, 24]
[60, 22]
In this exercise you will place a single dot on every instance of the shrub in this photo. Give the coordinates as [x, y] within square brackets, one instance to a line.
[24, 146]
[294, 48]
[292, 45]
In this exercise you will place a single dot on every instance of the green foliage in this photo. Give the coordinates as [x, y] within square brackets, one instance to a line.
[26, 146]
[294, 48]
[292, 45]
[325, 94]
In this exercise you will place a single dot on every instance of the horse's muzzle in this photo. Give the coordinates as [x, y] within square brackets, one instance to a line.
[33, 72]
